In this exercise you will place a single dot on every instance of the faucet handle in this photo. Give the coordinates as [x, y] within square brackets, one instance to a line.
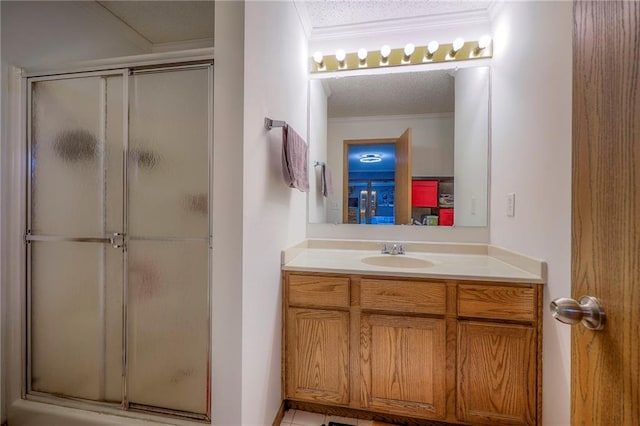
[400, 249]
[385, 249]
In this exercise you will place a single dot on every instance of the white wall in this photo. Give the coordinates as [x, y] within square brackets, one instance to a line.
[318, 204]
[471, 185]
[228, 104]
[531, 156]
[432, 146]
[274, 215]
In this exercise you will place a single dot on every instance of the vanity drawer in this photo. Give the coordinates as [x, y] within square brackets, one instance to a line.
[516, 303]
[318, 291]
[403, 296]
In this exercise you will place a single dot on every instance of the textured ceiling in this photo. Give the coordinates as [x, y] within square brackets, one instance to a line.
[327, 13]
[391, 94]
[166, 21]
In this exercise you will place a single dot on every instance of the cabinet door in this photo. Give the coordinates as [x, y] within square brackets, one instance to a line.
[496, 373]
[318, 355]
[403, 365]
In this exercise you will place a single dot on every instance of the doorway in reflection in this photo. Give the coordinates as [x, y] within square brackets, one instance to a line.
[377, 180]
[371, 186]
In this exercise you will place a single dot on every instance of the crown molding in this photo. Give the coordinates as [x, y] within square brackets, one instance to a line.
[494, 8]
[303, 15]
[418, 23]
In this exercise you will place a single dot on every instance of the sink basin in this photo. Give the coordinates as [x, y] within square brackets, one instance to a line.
[399, 261]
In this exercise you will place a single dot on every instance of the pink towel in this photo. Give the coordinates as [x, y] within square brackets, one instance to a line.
[294, 160]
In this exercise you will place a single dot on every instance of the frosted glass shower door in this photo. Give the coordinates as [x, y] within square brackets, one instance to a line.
[169, 226]
[119, 239]
[75, 274]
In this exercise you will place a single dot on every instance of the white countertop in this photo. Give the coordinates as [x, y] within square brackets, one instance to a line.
[445, 265]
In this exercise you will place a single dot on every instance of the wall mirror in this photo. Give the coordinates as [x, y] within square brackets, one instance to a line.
[401, 148]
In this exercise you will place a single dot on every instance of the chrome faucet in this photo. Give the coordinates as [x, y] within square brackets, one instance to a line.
[394, 250]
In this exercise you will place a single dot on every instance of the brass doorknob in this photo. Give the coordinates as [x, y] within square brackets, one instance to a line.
[588, 311]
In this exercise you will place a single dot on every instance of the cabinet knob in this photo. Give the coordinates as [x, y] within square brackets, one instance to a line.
[588, 311]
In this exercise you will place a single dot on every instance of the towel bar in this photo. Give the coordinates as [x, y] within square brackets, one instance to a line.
[270, 124]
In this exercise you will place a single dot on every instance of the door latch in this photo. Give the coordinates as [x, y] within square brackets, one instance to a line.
[117, 240]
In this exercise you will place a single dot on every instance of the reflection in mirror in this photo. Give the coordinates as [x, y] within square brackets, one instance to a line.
[440, 178]
[376, 181]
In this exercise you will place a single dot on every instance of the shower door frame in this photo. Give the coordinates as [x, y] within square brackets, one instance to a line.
[125, 407]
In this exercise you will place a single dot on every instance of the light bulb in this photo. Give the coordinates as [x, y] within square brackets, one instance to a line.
[484, 42]
[432, 47]
[362, 54]
[317, 57]
[409, 48]
[457, 44]
[340, 55]
[385, 51]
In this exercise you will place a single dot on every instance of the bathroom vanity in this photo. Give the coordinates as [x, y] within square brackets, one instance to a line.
[448, 333]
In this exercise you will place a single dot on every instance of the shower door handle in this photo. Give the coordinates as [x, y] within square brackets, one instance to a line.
[117, 240]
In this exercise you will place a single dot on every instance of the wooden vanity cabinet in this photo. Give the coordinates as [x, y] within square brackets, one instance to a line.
[498, 354]
[496, 374]
[401, 365]
[403, 347]
[451, 351]
[317, 338]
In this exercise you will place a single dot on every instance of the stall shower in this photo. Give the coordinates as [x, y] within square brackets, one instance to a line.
[119, 239]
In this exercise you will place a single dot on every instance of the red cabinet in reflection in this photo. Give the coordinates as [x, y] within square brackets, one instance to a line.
[424, 193]
[446, 217]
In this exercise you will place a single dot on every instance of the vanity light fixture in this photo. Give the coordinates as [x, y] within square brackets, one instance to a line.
[385, 51]
[430, 53]
[409, 48]
[362, 56]
[370, 158]
[340, 57]
[318, 58]
[484, 42]
[457, 45]
[432, 48]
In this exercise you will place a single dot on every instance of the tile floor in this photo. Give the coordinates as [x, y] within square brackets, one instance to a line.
[305, 418]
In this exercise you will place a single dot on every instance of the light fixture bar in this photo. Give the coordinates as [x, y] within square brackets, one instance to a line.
[374, 59]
